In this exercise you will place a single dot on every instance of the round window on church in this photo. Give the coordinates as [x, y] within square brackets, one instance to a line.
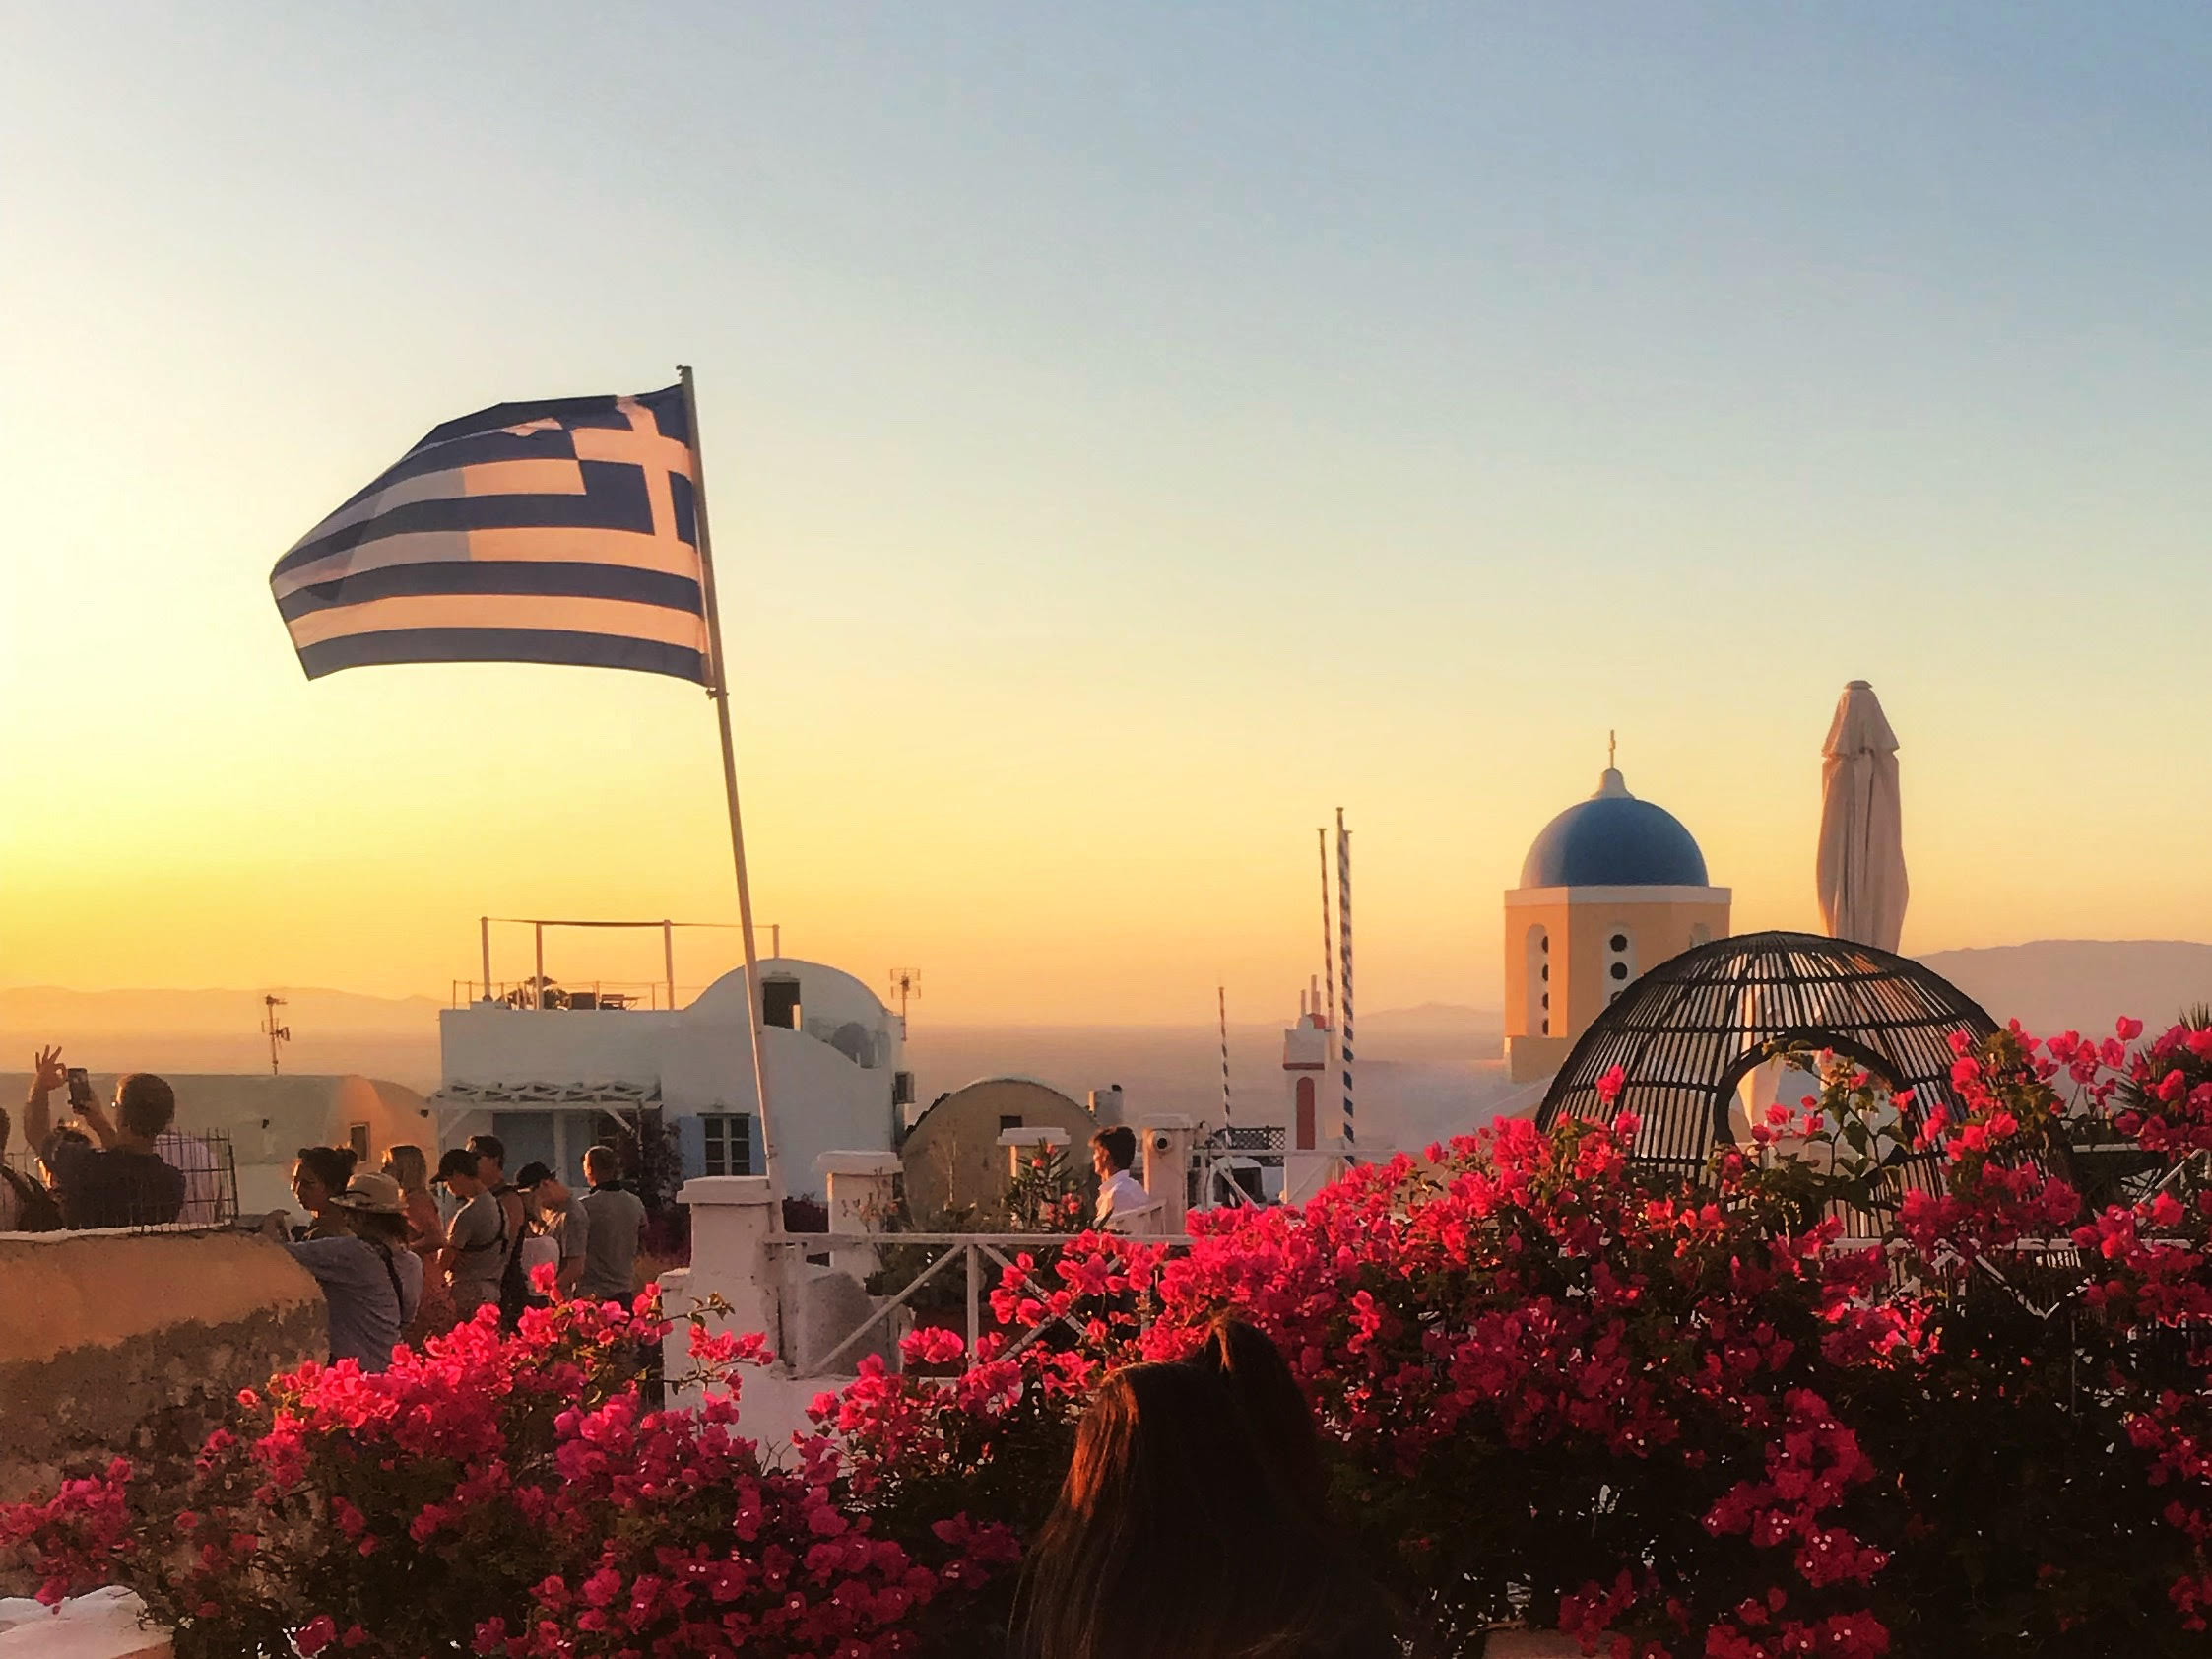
[1620, 970]
[1546, 973]
[1544, 943]
[1546, 1003]
[1618, 942]
[1547, 1029]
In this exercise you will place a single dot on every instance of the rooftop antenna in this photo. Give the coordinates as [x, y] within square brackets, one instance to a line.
[1221, 1003]
[906, 982]
[273, 1030]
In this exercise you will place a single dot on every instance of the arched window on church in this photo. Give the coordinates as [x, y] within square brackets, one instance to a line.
[1620, 960]
[1305, 1115]
[1537, 981]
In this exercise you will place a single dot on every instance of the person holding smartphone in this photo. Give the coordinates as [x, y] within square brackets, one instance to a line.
[112, 1176]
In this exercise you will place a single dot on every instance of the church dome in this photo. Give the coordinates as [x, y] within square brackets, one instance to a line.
[1613, 839]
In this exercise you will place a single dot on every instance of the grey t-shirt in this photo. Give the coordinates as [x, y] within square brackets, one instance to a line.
[365, 1318]
[480, 1256]
[616, 1217]
[571, 1225]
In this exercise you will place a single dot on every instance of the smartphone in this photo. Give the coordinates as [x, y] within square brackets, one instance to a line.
[80, 1087]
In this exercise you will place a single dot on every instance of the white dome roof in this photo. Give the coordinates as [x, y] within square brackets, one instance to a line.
[824, 992]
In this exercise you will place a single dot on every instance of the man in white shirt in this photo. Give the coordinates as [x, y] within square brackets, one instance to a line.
[1123, 1206]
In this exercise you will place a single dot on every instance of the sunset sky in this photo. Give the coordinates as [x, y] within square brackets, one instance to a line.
[1130, 435]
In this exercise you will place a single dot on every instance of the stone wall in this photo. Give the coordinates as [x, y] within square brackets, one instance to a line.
[133, 1345]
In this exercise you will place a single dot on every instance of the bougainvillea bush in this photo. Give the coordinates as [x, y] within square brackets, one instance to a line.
[1899, 1391]
[1883, 1382]
[512, 1496]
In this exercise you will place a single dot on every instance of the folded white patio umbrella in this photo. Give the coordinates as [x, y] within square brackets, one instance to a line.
[1862, 874]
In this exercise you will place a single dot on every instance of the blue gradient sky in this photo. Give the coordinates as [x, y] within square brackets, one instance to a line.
[1131, 435]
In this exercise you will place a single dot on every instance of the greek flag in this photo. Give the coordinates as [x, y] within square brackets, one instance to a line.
[563, 531]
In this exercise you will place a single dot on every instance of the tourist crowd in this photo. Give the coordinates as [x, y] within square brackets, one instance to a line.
[394, 1267]
[392, 1263]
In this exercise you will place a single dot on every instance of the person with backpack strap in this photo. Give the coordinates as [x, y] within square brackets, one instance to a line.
[514, 1222]
[480, 1246]
[371, 1281]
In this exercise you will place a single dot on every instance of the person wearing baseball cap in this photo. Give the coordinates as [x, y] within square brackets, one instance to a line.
[371, 1281]
[558, 1226]
[478, 1241]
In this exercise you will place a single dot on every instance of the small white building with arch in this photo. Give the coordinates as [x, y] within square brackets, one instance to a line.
[549, 1081]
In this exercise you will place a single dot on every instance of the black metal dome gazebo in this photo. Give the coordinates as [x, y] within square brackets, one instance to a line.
[1688, 1032]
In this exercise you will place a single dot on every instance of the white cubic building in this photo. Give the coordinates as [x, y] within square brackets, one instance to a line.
[551, 1073]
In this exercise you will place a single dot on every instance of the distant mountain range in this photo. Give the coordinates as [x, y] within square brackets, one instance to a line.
[2082, 984]
[219, 1030]
[208, 1011]
[1430, 1054]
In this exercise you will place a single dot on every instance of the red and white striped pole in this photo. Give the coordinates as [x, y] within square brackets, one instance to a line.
[1344, 939]
[1221, 1000]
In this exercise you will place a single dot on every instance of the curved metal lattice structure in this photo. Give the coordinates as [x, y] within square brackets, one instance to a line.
[1688, 1032]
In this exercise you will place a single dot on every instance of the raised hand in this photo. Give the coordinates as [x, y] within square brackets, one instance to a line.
[47, 1073]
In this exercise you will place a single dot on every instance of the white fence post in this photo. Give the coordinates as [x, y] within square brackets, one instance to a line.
[863, 1193]
[1167, 1139]
[1029, 1142]
[731, 1217]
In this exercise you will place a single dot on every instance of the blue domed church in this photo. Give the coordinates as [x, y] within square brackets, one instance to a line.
[1612, 885]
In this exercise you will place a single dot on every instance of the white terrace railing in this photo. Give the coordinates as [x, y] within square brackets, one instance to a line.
[982, 1259]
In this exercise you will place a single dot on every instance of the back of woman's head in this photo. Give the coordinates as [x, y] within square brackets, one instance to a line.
[1271, 1401]
[407, 1164]
[1175, 1538]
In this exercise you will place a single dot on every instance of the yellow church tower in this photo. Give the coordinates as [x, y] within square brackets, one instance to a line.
[1612, 886]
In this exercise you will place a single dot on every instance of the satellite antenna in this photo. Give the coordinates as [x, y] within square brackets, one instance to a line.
[906, 983]
[273, 1030]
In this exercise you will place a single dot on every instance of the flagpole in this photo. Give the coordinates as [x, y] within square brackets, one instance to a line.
[718, 688]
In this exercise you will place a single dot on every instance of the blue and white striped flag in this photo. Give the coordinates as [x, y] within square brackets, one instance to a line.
[563, 531]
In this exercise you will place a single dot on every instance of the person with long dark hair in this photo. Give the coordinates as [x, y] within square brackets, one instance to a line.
[319, 1176]
[1177, 1535]
[1273, 1405]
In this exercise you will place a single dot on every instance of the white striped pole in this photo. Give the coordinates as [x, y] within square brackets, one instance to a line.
[1328, 951]
[1222, 999]
[1344, 939]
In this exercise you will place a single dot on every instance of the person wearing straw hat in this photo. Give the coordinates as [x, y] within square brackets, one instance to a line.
[371, 1281]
